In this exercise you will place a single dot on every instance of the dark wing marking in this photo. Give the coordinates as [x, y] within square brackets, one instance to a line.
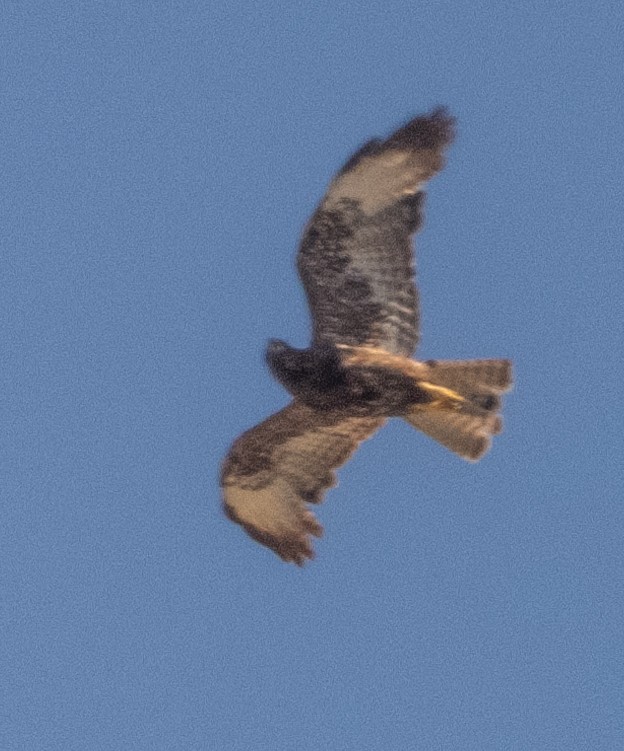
[275, 469]
[355, 258]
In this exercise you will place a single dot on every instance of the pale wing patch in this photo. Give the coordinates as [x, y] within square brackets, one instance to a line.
[384, 171]
[275, 516]
[276, 469]
[378, 181]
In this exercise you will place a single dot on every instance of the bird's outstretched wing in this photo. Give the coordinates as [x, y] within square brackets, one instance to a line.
[355, 258]
[275, 469]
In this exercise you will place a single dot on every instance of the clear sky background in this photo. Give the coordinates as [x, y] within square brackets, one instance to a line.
[159, 161]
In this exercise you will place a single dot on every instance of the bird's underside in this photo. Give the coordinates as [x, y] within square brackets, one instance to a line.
[356, 263]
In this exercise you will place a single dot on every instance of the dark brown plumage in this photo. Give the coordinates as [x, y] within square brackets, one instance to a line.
[355, 262]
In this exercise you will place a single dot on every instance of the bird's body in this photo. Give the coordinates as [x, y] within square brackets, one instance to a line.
[323, 378]
[356, 263]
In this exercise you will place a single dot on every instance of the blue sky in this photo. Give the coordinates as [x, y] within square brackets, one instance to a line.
[159, 161]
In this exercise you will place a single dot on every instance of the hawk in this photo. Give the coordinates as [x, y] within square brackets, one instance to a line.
[356, 264]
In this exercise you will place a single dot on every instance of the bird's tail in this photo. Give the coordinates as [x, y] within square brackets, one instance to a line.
[463, 412]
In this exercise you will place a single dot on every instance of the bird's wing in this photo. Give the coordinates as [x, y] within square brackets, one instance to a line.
[355, 258]
[275, 469]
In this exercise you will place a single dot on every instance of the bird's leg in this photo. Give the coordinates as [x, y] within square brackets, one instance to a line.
[441, 397]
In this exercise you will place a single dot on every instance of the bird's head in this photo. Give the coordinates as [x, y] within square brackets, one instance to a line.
[285, 362]
[276, 347]
[313, 369]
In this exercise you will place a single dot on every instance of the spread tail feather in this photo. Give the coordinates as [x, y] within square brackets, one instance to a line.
[482, 376]
[466, 427]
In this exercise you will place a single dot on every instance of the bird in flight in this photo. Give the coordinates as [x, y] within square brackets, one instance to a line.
[356, 264]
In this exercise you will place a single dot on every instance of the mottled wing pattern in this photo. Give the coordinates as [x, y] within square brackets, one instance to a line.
[355, 258]
[286, 462]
